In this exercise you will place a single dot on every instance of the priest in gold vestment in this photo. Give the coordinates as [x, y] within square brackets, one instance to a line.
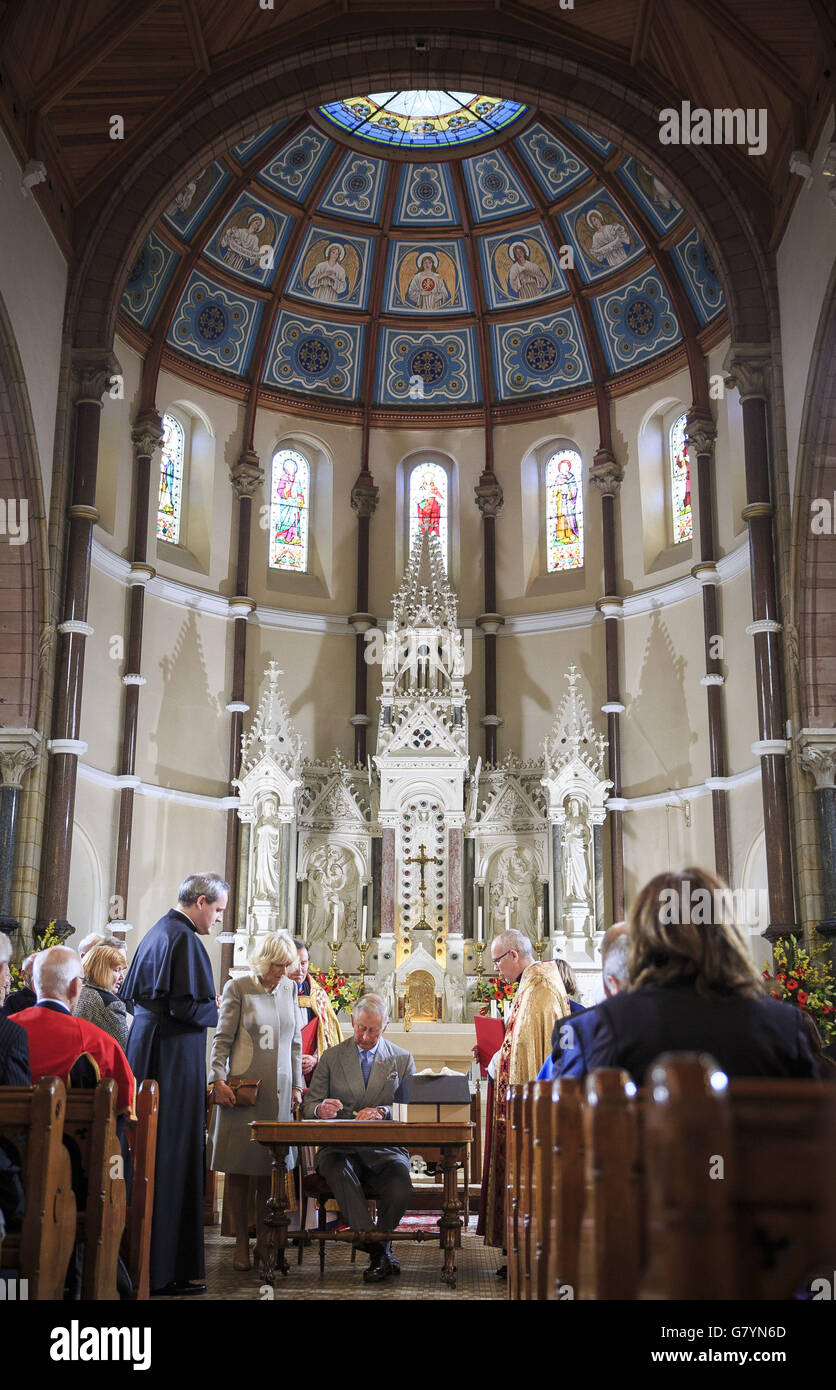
[314, 1002]
[540, 1000]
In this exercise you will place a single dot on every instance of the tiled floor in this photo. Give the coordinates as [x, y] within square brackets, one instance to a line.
[419, 1278]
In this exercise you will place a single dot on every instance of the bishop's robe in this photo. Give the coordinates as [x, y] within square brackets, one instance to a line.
[540, 1000]
[314, 999]
[170, 983]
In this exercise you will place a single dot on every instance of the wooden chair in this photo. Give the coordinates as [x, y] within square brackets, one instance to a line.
[90, 1133]
[142, 1143]
[562, 1146]
[740, 1207]
[610, 1247]
[32, 1123]
[316, 1187]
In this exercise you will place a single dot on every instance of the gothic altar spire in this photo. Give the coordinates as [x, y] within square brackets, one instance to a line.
[425, 598]
[272, 731]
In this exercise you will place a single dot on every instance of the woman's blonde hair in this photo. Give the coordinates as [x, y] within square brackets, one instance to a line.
[100, 962]
[275, 949]
[681, 932]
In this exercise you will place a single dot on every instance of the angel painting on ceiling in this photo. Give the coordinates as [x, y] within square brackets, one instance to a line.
[526, 279]
[428, 289]
[240, 239]
[604, 238]
[331, 271]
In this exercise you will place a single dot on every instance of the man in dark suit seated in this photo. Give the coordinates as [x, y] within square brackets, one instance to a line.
[14, 1071]
[14, 1056]
[361, 1079]
[572, 1037]
[694, 988]
[24, 997]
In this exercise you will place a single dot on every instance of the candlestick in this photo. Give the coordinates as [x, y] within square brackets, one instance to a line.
[334, 948]
[336, 930]
[364, 948]
[479, 947]
[540, 921]
[479, 932]
[305, 911]
[507, 916]
[365, 919]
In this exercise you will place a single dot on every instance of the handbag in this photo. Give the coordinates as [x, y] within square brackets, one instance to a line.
[246, 1089]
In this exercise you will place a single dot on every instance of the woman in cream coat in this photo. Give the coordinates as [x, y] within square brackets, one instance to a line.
[258, 1035]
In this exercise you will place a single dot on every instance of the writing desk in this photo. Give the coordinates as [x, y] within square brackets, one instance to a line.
[280, 1135]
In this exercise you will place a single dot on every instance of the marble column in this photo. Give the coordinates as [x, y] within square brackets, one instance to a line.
[700, 435]
[455, 838]
[817, 756]
[19, 751]
[146, 437]
[387, 882]
[364, 497]
[489, 501]
[246, 476]
[747, 367]
[93, 370]
[607, 474]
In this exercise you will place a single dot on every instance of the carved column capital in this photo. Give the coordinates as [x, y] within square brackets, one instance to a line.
[147, 434]
[364, 496]
[606, 473]
[747, 368]
[489, 498]
[246, 474]
[816, 754]
[93, 370]
[700, 433]
[19, 751]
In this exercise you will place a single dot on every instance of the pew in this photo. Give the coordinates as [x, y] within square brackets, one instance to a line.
[141, 1135]
[741, 1205]
[90, 1134]
[513, 1141]
[559, 1219]
[611, 1229]
[32, 1123]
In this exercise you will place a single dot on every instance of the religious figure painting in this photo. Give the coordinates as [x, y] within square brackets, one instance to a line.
[603, 236]
[289, 512]
[192, 202]
[564, 511]
[425, 278]
[428, 287]
[428, 504]
[331, 271]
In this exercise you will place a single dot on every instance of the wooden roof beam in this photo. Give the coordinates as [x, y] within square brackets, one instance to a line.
[87, 55]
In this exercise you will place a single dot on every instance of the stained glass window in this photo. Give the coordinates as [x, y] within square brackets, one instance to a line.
[428, 503]
[683, 523]
[423, 119]
[171, 480]
[289, 511]
[564, 511]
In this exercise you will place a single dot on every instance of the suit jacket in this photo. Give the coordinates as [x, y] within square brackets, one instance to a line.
[338, 1075]
[14, 1055]
[58, 1041]
[746, 1036]
[571, 1044]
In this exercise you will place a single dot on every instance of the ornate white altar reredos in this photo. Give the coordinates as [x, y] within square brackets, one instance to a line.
[419, 847]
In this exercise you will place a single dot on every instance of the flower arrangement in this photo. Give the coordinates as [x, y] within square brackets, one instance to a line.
[342, 991]
[804, 979]
[494, 989]
[49, 937]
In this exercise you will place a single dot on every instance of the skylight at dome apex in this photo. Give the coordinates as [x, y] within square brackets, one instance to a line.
[423, 120]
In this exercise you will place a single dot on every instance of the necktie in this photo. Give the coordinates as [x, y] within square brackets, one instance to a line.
[366, 1066]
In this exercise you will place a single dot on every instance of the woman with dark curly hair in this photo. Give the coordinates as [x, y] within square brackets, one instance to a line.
[694, 988]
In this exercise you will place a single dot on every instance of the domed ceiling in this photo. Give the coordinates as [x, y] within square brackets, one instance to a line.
[426, 253]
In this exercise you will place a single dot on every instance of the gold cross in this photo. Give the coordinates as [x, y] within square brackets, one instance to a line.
[423, 860]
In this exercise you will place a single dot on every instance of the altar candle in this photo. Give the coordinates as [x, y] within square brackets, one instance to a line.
[479, 936]
[305, 911]
[365, 919]
[335, 935]
[540, 923]
[507, 916]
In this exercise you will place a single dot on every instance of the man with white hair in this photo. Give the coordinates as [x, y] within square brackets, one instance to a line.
[61, 1044]
[24, 997]
[540, 1000]
[361, 1079]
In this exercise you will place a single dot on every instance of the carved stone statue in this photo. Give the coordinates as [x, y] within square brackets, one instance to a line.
[576, 875]
[329, 872]
[454, 998]
[267, 853]
[515, 885]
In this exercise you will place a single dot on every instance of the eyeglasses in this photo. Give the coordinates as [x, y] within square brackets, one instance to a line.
[497, 959]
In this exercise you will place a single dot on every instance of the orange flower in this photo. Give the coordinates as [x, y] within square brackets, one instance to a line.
[792, 983]
[802, 997]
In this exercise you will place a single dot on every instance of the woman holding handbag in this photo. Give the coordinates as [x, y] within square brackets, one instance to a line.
[255, 1070]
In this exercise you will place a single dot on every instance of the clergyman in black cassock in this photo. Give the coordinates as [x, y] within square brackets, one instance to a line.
[170, 983]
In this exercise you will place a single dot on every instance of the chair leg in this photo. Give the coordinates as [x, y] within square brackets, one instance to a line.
[321, 1224]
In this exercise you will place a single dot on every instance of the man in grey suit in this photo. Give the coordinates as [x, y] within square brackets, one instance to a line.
[361, 1079]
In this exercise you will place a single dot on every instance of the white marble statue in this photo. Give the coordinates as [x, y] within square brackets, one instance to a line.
[576, 875]
[515, 885]
[454, 998]
[329, 873]
[267, 853]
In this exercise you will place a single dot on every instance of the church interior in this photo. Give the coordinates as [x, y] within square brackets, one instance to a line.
[418, 510]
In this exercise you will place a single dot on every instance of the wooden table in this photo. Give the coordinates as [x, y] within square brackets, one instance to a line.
[279, 1135]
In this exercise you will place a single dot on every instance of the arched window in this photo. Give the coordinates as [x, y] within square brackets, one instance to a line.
[290, 496]
[683, 522]
[428, 492]
[170, 497]
[564, 511]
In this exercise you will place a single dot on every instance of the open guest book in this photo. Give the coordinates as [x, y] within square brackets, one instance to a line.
[489, 1035]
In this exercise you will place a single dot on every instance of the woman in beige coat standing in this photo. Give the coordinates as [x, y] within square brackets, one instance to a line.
[258, 1035]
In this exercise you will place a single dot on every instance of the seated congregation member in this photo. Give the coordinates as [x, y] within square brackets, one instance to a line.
[693, 988]
[570, 984]
[315, 1004]
[169, 983]
[259, 1035]
[572, 1038]
[5, 972]
[96, 938]
[24, 997]
[99, 1002]
[62, 1045]
[14, 1055]
[361, 1079]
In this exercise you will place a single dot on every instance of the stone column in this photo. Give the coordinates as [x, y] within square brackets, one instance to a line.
[364, 497]
[489, 501]
[700, 435]
[607, 474]
[146, 437]
[92, 372]
[747, 368]
[817, 756]
[455, 916]
[246, 475]
[19, 751]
